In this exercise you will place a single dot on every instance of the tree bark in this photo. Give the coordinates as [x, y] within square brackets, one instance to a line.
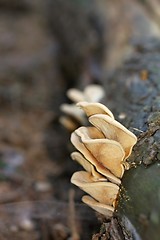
[133, 93]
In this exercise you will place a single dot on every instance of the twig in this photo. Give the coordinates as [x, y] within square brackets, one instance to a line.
[72, 216]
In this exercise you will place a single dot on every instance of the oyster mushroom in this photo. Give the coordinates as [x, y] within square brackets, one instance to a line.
[76, 141]
[104, 209]
[108, 153]
[68, 123]
[75, 95]
[103, 192]
[91, 93]
[103, 149]
[75, 117]
[87, 166]
[114, 130]
[73, 111]
[94, 108]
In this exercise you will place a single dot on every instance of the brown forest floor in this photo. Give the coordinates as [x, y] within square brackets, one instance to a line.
[36, 198]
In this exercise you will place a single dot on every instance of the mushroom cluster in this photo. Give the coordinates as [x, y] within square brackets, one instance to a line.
[103, 149]
[75, 117]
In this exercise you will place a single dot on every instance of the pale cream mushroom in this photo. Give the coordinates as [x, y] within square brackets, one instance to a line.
[75, 95]
[115, 131]
[104, 209]
[87, 166]
[108, 153]
[74, 116]
[103, 192]
[94, 108]
[91, 93]
[73, 111]
[103, 150]
[76, 141]
[67, 122]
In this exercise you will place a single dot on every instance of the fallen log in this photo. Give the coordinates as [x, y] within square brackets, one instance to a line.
[133, 95]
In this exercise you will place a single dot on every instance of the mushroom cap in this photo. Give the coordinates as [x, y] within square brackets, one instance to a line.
[99, 207]
[103, 192]
[115, 131]
[94, 108]
[108, 153]
[87, 166]
[93, 93]
[75, 95]
[68, 123]
[76, 141]
[73, 111]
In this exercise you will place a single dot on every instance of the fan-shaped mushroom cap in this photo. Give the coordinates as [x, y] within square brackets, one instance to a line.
[75, 95]
[87, 166]
[108, 153]
[115, 131]
[99, 207]
[73, 111]
[104, 192]
[93, 93]
[68, 123]
[94, 108]
[76, 141]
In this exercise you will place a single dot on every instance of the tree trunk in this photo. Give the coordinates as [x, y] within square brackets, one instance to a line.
[133, 94]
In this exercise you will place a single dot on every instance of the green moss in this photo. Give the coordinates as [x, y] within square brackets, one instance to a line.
[140, 200]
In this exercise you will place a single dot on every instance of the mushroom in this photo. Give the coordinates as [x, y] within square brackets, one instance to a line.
[75, 117]
[76, 141]
[68, 123]
[94, 108]
[87, 166]
[75, 95]
[115, 131]
[103, 192]
[91, 93]
[73, 111]
[108, 153]
[104, 209]
[103, 149]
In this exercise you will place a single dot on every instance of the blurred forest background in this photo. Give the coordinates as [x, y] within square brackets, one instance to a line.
[47, 47]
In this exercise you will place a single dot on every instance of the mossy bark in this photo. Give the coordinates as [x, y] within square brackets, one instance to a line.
[134, 90]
